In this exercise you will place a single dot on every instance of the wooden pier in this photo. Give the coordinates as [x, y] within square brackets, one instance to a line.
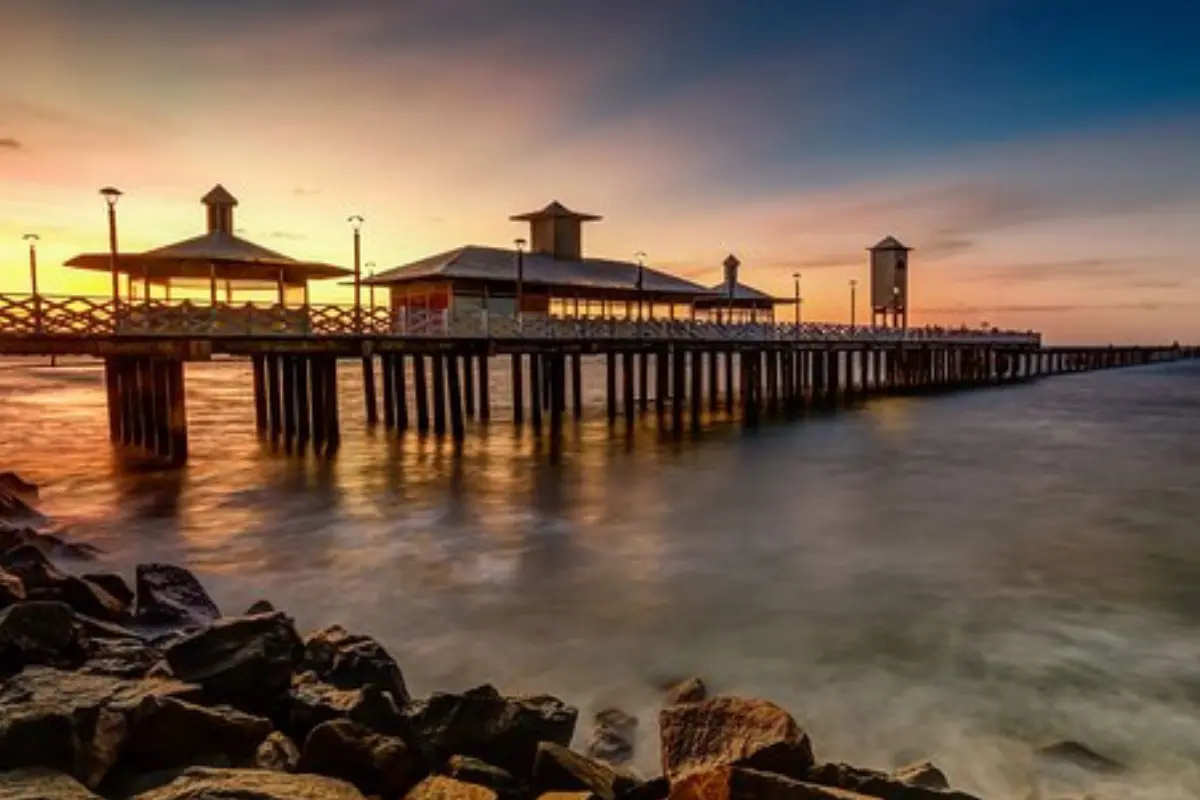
[432, 376]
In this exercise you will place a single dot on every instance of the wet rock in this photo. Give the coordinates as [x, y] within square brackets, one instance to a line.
[733, 731]
[480, 773]
[170, 595]
[922, 773]
[440, 787]
[1079, 755]
[39, 632]
[99, 629]
[167, 732]
[206, 783]
[71, 722]
[11, 589]
[872, 783]
[352, 661]
[49, 544]
[13, 484]
[260, 607]
[42, 784]
[688, 690]
[613, 736]
[246, 662]
[43, 581]
[558, 769]
[121, 658]
[735, 783]
[112, 583]
[480, 722]
[277, 752]
[311, 702]
[374, 763]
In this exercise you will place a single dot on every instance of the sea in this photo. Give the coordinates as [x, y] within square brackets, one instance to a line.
[960, 577]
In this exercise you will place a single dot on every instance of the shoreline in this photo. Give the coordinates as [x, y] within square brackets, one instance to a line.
[160, 662]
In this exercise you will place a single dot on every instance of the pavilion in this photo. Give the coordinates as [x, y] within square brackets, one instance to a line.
[217, 260]
[553, 277]
[744, 304]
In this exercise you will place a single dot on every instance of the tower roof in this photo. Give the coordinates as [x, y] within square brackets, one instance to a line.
[554, 210]
[219, 196]
[890, 243]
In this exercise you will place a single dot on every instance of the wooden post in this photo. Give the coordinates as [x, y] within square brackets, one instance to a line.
[421, 393]
[439, 395]
[368, 368]
[400, 391]
[556, 366]
[468, 389]
[274, 401]
[113, 390]
[485, 389]
[387, 370]
[260, 393]
[678, 387]
[535, 389]
[177, 394]
[320, 415]
[643, 380]
[577, 384]
[456, 399]
[772, 358]
[713, 383]
[697, 387]
[517, 390]
[303, 405]
[627, 380]
[610, 385]
[660, 381]
[729, 380]
[288, 398]
[332, 425]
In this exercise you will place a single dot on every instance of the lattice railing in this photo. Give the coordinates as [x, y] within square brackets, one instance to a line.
[24, 315]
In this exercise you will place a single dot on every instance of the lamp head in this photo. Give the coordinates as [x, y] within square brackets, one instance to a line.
[111, 195]
[355, 222]
[520, 243]
[31, 237]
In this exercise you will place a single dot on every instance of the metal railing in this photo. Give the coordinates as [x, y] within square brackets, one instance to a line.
[26, 315]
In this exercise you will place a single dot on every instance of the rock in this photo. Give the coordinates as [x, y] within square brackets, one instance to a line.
[71, 722]
[733, 731]
[439, 787]
[311, 702]
[246, 662]
[121, 658]
[504, 731]
[43, 581]
[13, 484]
[873, 783]
[260, 607]
[42, 784]
[653, 789]
[11, 589]
[557, 769]
[735, 783]
[39, 632]
[922, 773]
[167, 732]
[48, 544]
[480, 773]
[352, 661]
[99, 629]
[689, 690]
[1079, 755]
[613, 736]
[112, 583]
[205, 783]
[170, 595]
[277, 752]
[374, 763]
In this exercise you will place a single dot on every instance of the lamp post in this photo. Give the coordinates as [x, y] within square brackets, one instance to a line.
[370, 265]
[796, 280]
[32, 238]
[640, 255]
[896, 306]
[111, 195]
[520, 245]
[356, 222]
[853, 300]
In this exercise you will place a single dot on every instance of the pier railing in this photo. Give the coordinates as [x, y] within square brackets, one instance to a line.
[46, 315]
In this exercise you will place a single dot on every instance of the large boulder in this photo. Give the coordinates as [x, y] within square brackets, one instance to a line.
[42, 784]
[374, 763]
[480, 722]
[71, 722]
[12, 590]
[43, 581]
[440, 787]
[480, 773]
[39, 632]
[310, 702]
[735, 783]
[910, 784]
[246, 662]
[277, 752]
[166, 732]
[558, 769]
[352, 661]
[614, 734]
[205, 783]
[170, 595]
[732, 731]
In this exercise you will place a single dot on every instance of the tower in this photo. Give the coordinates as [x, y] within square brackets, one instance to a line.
[889, 283]
[556, 231]
[219, 203]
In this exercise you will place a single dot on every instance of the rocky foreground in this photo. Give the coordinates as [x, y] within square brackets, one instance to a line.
[149, 692]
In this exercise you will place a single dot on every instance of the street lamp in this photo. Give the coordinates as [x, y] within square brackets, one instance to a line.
[520, 245]
[32, 238]
[111, 196]
[356, 223]
[371, 286]
[853, 300]
[896, 307]
[640, 255]
[796, 279]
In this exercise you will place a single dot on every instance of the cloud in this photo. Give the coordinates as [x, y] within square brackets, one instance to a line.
[1057, 308]
[291, 237]
[1132, 272]
[9, 143]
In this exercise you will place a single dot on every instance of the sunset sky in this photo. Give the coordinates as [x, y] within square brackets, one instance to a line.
[1041, 156]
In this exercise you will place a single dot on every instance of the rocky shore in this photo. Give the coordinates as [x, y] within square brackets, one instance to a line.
[149, 692]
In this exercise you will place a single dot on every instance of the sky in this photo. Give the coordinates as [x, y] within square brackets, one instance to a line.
[1042, 157]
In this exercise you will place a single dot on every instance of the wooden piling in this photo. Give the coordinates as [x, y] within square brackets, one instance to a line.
[678, 387]
[697, 391]
[303, 402]
[368, 368]
[387, 368]
[400, 392]
[288, 397]
[627, 385]
[661, 364]
[333, 434]
[468, 384]
[420, 393]
[274, 400]
[518, 390]
[535, 389]
[485, 389]
[643, 380]
[610, 385]
[260, 393]
[576, 384]
[457, 429]
[438, 379]
[317, 402]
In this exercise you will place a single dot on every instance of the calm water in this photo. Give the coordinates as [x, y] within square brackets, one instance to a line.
[952, 577]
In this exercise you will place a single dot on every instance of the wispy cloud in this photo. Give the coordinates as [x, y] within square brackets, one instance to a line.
[287, 235]
[9, 143]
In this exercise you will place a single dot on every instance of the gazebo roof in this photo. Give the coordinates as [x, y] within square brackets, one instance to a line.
[553, 210]
[743, 296]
